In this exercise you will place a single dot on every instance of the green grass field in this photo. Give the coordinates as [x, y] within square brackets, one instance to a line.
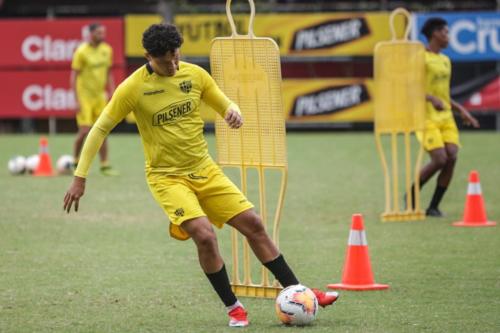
[113, 268]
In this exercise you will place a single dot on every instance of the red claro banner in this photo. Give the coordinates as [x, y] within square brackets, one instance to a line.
[36, 43]
[40, 94]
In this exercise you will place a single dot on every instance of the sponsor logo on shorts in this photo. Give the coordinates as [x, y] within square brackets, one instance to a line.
[154, 92]
[172, 113]
[330, 34]
[196, 177]
[179, 212]
[186, 86]
[330, 100]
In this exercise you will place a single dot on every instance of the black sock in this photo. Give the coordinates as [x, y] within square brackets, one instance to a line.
[438, 195]
[412, 193]
[282, 271]
[220, 282]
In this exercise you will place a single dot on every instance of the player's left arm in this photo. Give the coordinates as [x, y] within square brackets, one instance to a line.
[214, 97]
[467, 118]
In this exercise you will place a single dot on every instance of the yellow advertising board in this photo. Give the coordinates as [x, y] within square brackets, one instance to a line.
[328, 100]
[322, 101]
[135, 25]
[298, 34]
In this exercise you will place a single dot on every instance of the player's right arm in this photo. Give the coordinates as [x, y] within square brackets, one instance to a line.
[120, 105]
[436, 102]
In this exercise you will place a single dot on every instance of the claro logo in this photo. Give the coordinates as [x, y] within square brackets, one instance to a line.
[330, 100]
[45, 97]
[329, 34]
[45, 48]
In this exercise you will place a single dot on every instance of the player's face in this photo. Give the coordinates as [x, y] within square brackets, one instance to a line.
[166, 65]
[98, 34]
[442, 36]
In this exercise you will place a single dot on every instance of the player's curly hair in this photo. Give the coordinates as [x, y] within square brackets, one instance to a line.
[159, 39]
[431, 25]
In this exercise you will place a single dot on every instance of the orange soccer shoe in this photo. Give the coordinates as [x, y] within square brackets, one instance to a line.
[238, 317]
[325, 299]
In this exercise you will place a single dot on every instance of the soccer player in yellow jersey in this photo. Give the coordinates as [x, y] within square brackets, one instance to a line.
[441, 133]
[164, 96]
[90, 74]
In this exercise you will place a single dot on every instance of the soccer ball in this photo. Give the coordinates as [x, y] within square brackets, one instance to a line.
[32, 163]
[65, 164]
[296, 305]
[17, 165]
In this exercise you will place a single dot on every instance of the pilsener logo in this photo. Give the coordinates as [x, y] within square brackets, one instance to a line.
[330, 100]
[330, 34]
[172, 113]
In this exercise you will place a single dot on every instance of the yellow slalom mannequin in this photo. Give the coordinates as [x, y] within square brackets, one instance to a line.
[399, 74]
[247, 68]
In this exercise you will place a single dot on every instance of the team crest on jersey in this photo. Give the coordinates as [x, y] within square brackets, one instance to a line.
[186, 86]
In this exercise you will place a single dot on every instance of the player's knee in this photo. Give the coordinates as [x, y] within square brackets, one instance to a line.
[451, 158]
[440, 160]
[255, 226]
[206, 240]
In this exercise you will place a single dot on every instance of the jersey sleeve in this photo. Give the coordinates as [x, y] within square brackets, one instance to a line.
[77, 62]
[212, 95]
[120, 105]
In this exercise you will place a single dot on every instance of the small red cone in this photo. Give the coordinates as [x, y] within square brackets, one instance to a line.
[44, 167]
[357, 273]
[474, 211]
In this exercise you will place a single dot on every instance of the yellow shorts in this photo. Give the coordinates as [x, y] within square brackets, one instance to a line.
[90, 109]
[437, 133]
[207, 192]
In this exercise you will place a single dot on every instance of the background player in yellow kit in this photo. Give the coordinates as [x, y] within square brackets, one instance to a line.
[164, 96]
[441, 133]
[90, 75]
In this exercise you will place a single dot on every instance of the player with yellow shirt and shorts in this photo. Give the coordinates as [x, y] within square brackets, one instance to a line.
[441, 139]
[90, 74]
[165, 95]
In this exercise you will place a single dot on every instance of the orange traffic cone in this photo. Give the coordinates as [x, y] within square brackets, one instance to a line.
[357, 273]
[474, 212]
[44, 167]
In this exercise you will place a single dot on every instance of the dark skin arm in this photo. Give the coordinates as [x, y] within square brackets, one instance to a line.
[74, 193]
[467, 118]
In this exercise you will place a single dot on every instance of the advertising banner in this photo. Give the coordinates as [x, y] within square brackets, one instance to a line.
[328, 100]
[51, 43]
[322, 101]
[298, 34]
[473, 35]
[40, 94]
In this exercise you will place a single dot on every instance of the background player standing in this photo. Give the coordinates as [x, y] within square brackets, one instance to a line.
[164, 96]
[441, 133]
[90, 75]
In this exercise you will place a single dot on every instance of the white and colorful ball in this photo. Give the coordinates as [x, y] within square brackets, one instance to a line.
[65, 164]
[17, 165]
[32, 163]
[296, 305]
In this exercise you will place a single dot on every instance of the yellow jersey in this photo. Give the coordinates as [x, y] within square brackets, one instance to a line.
[93, 64]
[438, 76]
[167, 112]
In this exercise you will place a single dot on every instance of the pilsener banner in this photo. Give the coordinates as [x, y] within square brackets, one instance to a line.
[322, 101]
[473, 35]
[40, 94]
[328, 100]
[300, 34]
[51, 43]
